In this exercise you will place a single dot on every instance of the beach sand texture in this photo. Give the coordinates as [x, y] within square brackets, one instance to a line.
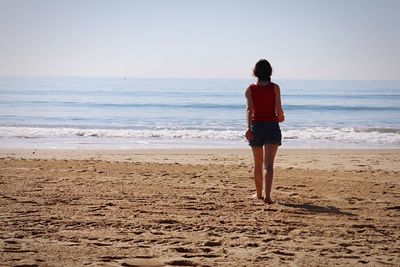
[194, 208]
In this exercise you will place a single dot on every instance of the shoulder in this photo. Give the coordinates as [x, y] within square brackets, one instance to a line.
[277, 89]
[249, 88]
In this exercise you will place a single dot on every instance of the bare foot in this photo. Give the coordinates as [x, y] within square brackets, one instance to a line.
[256, 197]
[269, 201]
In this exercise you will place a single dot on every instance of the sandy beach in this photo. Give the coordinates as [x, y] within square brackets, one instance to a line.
[194, 208]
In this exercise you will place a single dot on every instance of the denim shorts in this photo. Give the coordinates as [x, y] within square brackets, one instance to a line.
[265, 133]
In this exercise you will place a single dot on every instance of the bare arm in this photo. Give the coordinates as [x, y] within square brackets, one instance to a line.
[278, 104]
[249, 113]
[249, 107]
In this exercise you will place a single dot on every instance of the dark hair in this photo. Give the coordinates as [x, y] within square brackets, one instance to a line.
[263, 70]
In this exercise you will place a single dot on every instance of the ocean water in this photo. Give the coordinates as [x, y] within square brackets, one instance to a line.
[81, 113]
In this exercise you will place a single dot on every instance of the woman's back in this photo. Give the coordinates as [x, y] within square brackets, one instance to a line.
[263, 103]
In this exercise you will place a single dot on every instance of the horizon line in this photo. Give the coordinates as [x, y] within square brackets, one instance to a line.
[192, 78]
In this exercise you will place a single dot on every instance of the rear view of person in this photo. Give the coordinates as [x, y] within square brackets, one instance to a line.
[263, 114]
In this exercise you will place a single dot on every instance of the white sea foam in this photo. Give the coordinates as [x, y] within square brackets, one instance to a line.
[38, 132]
[345, 135]
[306, 137]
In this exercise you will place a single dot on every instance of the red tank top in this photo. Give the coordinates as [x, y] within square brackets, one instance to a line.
[263, 103]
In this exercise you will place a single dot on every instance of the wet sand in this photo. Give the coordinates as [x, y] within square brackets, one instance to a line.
[194, 208]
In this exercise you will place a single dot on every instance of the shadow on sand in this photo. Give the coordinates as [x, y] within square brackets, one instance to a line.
[318, 209]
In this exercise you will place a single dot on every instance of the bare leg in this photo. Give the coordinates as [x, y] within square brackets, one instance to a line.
[258, 155]
[270, 153]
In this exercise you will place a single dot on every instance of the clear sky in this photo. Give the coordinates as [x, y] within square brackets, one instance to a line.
[341, 39]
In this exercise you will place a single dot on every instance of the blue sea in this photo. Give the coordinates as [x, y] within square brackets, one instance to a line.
[83, 113]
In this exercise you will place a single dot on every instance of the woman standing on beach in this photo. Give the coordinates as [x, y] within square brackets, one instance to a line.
[263, 114]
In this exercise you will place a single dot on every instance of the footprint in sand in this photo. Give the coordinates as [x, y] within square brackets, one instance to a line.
[363, 226]
[112, 258]
[167, 221]
[101, 244]
[251, 245]
[393, 208]
[26, 263]
[148, 262]
[212, 243]
[183, 250]
[181, 262]
[353, 200]
[284, 253]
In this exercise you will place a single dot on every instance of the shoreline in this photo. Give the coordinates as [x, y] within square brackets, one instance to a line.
[323, 159]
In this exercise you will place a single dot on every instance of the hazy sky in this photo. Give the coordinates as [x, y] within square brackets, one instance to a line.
[341, 39]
